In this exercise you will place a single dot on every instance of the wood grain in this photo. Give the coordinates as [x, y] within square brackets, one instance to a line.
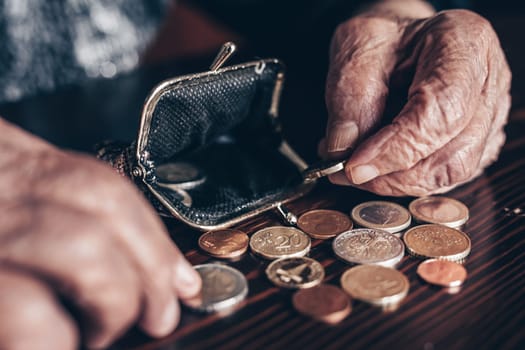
[488, 313]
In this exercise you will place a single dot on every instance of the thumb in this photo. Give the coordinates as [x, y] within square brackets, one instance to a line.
[362, 58]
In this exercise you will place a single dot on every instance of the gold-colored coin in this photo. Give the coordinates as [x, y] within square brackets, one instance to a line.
[280, 242]
[323, 223]
[387, 216]
[437, 242]
[325, 303]
[226, 244]
[439, 210]
[377, 285]
[442, 272]
[298, 272]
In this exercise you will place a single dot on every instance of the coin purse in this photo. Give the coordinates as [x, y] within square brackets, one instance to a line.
[223, 122]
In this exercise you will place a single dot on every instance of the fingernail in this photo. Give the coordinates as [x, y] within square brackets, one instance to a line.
[342, 136]
[363, 173]
[168, 319]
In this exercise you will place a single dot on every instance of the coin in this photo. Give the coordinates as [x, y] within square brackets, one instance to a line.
[223, 287]
[369, 246]
[299, 272]
[387, 216]
[439, 210]
[279, 242]
[324, 303]
[437, 241]
[323, 168]
[324, 224]
[179, 175]
[442, 272]
[224, 243]
[377, 285]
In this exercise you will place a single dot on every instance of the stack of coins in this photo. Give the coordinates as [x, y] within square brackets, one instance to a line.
[223, 288]
[387, 216]
[280, 242]
[224, 244]
[376, 285]
[369, 246]
[437, 242]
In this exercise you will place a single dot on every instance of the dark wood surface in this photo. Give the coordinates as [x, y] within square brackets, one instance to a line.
[488, 313]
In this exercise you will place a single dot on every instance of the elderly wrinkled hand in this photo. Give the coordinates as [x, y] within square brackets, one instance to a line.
[451, 126]
[73, 230]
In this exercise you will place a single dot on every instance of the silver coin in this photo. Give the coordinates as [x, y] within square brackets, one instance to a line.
[223, 287]
[179, 175]
[322, 169]
[369, 246]
[382, 215]
[439, 210]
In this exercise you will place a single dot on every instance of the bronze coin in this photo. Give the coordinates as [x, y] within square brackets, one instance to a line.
[323, 223]
[442, 272]
[276, 242]
[437, 242]
[324, 303]
[224, 243]
[377, 285]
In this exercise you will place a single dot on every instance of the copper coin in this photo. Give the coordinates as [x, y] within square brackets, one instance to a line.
[280, 242]
[224, 243]
[437, 242]
[324, 302]
[439, 210]
[323, 223]
[387, 216]
[298, 272]
[442, 272]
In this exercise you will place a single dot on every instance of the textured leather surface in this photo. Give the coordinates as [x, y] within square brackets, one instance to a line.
[221, 124]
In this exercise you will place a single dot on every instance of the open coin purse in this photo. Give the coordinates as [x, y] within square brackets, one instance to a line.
[222, 124]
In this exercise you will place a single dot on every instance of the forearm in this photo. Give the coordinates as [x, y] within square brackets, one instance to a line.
[400, 8]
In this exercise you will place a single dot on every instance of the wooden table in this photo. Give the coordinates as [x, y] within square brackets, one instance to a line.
[488, 313]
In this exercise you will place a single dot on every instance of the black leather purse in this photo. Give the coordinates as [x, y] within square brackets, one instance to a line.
[219, 134]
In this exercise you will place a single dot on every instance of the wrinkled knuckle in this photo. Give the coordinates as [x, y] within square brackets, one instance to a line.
[162, 274]
[456, 171]
[409, 147]
[92, 255]
[462, 16]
